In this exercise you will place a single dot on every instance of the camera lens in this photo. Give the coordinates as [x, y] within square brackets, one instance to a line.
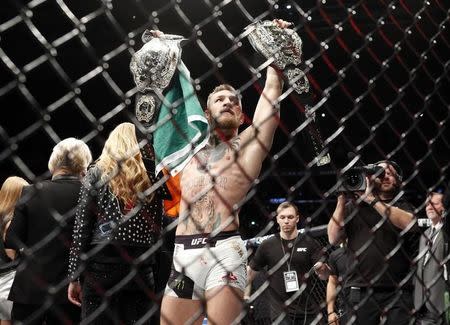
[353, 181]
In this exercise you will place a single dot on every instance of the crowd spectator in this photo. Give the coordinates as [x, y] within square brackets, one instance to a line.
[431, 274]
[41, 230]
[117, 223]
[9, 195]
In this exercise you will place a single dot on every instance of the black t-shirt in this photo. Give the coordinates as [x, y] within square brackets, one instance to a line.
[337, 261]
[378, 254]
[306, 253]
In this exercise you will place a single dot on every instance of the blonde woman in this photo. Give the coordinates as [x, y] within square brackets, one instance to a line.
[117, 222]
[9, 195]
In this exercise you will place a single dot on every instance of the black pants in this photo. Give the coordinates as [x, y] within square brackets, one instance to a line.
[118, 294]
[56, 314]
[302, 319]
[298, 319]
[367, 307]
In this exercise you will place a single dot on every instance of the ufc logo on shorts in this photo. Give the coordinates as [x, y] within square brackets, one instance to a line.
[198, 241]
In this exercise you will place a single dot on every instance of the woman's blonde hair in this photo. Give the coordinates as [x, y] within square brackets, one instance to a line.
[122, 165]
[9, 195]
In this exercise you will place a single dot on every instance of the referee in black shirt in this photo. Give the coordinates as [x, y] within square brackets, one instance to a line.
[289, 257]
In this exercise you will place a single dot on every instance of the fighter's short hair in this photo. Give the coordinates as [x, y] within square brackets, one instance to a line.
[220, 88]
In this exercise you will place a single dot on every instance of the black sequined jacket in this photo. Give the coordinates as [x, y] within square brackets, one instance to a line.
[101, 219]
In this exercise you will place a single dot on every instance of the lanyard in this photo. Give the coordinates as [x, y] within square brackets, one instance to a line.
[292, 251]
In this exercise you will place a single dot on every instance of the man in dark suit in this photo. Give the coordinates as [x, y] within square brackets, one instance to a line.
[430, 276]
[41, 230]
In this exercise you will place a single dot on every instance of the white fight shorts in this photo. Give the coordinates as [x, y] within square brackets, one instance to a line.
[201, 263]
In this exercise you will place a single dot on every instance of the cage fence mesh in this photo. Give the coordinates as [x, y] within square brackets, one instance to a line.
[378, 71]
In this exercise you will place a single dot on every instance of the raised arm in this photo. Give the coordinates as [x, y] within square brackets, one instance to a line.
[335, 227]
[397, 216]
[266, 117]
[257, 139]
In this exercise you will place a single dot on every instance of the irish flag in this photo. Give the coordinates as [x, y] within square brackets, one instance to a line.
[181, 131]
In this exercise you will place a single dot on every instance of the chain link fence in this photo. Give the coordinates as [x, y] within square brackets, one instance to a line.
[378, 71]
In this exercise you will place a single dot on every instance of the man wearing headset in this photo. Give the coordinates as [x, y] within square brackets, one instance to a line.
[377, 224]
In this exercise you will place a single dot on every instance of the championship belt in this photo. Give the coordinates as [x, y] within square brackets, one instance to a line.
[284, 47]
[153, 67]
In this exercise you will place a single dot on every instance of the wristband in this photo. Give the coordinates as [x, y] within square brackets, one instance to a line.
[374, 201]
[331, 312]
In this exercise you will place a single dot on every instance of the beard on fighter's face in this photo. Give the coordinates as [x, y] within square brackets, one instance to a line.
[224, 121]
[227, 123]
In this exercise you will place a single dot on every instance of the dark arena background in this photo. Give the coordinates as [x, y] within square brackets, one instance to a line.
[379, 71]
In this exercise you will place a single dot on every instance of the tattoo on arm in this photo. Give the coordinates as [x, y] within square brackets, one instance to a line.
[235, 144]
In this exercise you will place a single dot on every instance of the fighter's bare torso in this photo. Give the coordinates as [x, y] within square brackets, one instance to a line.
[213, 184]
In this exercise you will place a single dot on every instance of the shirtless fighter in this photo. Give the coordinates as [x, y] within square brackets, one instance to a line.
[209, 262]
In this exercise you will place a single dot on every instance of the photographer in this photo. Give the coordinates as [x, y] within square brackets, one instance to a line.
[379, 254]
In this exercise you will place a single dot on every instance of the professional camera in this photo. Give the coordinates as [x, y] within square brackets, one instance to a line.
[354, 178]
